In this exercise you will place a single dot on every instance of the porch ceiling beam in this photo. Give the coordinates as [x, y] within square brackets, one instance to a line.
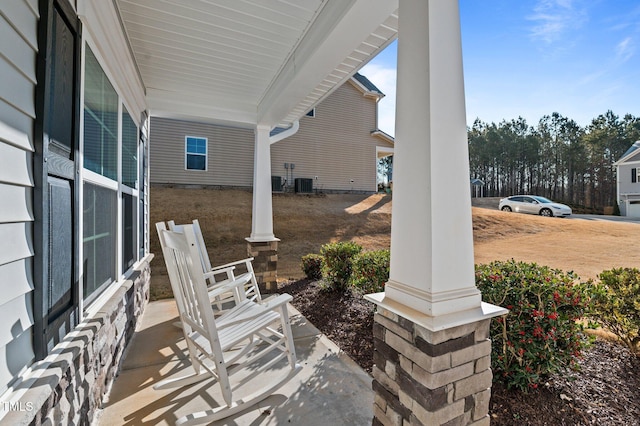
[231, 112]
[337, 32]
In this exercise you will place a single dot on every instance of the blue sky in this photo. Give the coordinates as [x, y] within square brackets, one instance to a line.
[531, 58]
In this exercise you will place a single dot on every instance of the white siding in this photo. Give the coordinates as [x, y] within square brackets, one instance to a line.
[18, 32]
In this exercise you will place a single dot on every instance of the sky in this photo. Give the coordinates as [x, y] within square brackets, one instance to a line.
[530, 58]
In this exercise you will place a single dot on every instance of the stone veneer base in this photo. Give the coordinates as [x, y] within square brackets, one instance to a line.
[68, 386]
[265, 263]
[426, 377]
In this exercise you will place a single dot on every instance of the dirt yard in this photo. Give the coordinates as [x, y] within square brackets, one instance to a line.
[305, 222]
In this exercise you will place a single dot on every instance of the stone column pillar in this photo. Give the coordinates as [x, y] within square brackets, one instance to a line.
[265, 263]
[431, 350]
[262, 244]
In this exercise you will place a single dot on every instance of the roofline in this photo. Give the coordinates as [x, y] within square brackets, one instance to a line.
[384, 136]
[365, 91]
[630, 153]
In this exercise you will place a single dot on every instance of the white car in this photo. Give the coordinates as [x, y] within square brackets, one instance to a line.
[534, 204]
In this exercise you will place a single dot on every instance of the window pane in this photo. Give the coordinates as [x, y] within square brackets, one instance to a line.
[100, 120]
[129, 150]
[196, 145]
[129, 228]
[99, 239]
[196, 162]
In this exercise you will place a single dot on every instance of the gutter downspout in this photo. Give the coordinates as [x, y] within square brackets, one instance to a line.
[283, 135]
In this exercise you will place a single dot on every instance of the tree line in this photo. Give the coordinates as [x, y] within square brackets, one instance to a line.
[557, 158]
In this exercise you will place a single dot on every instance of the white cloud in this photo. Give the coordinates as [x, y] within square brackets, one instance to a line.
[384, 77]
[625, 49]
[553, 18]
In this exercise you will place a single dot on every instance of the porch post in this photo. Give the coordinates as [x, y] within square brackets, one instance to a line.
[432, 351]
[262, 244]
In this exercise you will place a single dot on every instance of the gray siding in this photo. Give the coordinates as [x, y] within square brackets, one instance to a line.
[229, 154]
[18, 30]
[336, 145]
[624, 177]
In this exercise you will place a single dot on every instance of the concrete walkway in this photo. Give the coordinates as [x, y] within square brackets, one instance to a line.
[330, 389]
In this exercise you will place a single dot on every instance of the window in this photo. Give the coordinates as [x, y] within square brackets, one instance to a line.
[99, 239]
[100, 120]
[110, 184]
[196, 153]
[129, 231]
[311, 113]
[129, 150]
[634, 175]
[90, 207]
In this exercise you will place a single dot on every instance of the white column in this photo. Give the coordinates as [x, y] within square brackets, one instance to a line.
[262, 211]
[432, 263]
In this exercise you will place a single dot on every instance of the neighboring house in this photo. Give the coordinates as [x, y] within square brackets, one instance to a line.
[335, 149]
[628, 181]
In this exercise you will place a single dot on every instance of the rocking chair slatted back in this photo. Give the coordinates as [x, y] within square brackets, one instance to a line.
[191, 287]
[251, 289]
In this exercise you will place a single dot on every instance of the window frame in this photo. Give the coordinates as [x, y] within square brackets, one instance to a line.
[187, 153]
[90, 304]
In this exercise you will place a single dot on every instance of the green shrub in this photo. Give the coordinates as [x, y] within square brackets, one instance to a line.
[617, 305]
[312, 266]
[541, 334]
[370, 271]
[337, 261]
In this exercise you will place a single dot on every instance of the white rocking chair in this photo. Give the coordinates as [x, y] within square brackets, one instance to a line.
[221, 347]
[227, 271]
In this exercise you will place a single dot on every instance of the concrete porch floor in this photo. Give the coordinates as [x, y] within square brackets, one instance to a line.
[330, 388]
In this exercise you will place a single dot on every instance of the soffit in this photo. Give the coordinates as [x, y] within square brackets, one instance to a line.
[251, 61]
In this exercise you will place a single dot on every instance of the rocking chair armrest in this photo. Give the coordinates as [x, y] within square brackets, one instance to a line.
[227, 265]
[210, 275]
[225, 287]
[258, 310]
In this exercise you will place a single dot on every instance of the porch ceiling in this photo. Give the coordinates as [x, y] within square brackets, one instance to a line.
[248, 62]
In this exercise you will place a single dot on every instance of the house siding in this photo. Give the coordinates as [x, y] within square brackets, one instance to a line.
[336, 145]
[626, 186]
[628, 191]
[229, 154]
[18, 30]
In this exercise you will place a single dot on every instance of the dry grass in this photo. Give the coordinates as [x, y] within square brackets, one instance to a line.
[304, 223]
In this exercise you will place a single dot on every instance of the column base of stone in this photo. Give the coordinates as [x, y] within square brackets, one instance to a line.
[265, 263]
[424, 377]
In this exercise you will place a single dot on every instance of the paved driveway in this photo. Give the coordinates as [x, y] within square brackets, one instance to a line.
[606, 217]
